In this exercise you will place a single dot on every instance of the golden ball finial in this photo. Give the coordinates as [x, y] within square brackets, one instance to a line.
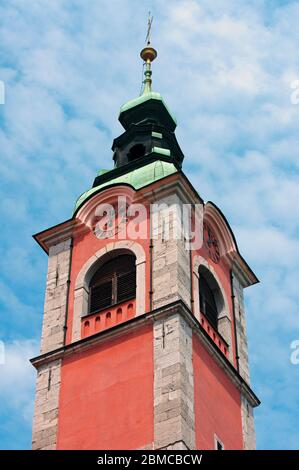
[148, 53]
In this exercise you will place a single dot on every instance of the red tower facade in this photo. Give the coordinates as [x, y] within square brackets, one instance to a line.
[144, 335]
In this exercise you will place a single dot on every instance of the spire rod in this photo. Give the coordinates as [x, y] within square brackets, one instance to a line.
[149, 28]
[148, 54]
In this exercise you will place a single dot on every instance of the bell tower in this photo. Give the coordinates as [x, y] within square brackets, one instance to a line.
[144, 340]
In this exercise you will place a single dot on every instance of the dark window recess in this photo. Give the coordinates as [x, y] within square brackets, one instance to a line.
[207, 302]
[113, 283]
[136, 151]
[219, 446]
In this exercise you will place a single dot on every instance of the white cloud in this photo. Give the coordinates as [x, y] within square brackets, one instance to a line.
[270, 246]
[17, 380]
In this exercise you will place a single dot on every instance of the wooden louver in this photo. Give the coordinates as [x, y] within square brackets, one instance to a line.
[207, 302]
[114, 282]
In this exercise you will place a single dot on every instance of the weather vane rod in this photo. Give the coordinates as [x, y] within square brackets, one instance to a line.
[149, 28]
[148, 54]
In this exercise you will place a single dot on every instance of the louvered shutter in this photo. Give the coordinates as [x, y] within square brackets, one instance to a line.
[207, 302]
[101, 296]
[114, 282]
[126, 286]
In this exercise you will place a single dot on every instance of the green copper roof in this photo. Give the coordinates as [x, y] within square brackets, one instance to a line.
[137, 178]
[152, 95]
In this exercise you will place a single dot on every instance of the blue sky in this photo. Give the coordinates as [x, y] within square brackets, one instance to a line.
[225, 69]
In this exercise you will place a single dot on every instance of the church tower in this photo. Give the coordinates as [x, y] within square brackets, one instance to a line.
[144, 334]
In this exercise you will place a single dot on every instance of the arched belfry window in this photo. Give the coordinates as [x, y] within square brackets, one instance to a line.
[137, 151]
[209, 296]
[112, 283]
